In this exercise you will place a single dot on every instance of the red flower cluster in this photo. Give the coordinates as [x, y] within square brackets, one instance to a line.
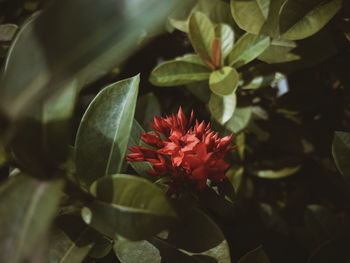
[189, 155]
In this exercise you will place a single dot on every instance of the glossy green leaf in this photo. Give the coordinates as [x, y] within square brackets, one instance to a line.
[46, 61]
[226, 35]
[278, 174]
[298, 21]
[247, 48]
[135, 139]
[224, 81]
[240, 119]
[27, 207]
[128, 206]
[255, 256]
[71, 240]
[202, 34]
[178, 72]
[191, 58]
[279, 51]
[341, 153]
[103, 134]
[222, 107]
[288, 19]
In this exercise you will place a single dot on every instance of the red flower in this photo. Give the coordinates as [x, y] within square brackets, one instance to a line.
[189, 155]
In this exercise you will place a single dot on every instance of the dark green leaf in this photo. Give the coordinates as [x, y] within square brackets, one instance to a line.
[147, 107]
[27, 207]
[71, 240]
[277, 174]
[103, 134]
[135, 139]
[255, 256]
[128, 206]
[341, 153]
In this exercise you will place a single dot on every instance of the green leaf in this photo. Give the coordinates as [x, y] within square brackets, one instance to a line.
[247, 48]
[240, 119]
[195, 239]
[147, 107]
[128, 206]
[41, 141]
[46, 61]
[202, 34]
[200, 90]
[301, 20]
[252, 15]
[278, 174]
[255, 256]
[287, 19]
[224, 81]
[178, 72]
[341, 153]
[7, 32]
[27, 207]
[226, 35]
[279, 52]
[71, 240]
[154, 250]
[135, 139]
[103, 134]
[222, 107]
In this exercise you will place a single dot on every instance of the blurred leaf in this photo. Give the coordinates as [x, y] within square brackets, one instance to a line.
[101, 36]
[7, 32]
[222, 107]
[202, 34]
[102, 248]
[298, 21]
[279, 52]
[135, 139]
[27, 207]
[40, 143]
[255, 256]
[224, 81]
[128, 206]
[341, 153]
[247, 48]
[153, 251]
[178, 72]
[71, 240]
[289, 19]
[260, 76]
[240, 119]
[103, 134]
[335, 250]
[321, 223]
[278, 174]
[226, 35]
[147, 107]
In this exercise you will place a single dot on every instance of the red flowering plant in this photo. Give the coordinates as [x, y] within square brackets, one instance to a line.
[189, 154]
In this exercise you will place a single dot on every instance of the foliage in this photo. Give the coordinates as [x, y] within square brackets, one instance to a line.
[82, 85]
